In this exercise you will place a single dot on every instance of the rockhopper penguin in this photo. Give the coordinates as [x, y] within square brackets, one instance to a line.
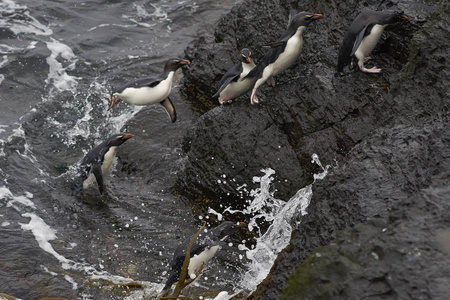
[283, 52]
[363, 35]
[97, 162]
[204, 248]
[232, 84]
[150, 90]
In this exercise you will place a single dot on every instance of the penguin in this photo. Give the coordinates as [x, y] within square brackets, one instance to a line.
[205, 247]
[150, 90]
[363, 35]
[283, 52]
[97, 162]
[232, 84]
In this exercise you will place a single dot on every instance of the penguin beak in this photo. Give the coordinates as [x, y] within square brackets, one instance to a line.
[249, 60]
[242, 224]
[113, 101]
[127, 136]
[317, 16]
[185, 62]
[405, 18]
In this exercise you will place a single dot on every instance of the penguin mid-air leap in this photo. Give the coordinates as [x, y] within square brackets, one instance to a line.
[150, 90]
[204, 248]
[232, 84]
[97, 162]
[363, 35]
[284, 51]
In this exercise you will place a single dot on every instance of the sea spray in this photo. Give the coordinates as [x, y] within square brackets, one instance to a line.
[285, 216]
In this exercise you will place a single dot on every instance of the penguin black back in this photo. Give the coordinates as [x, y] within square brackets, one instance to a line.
[93, 162]
[361, 27]
[172, 64]
[296, 20]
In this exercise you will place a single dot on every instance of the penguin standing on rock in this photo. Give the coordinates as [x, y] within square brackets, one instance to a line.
[232, 84]
[283, 52]
[204, 248]
[97, 162]
[150, 90]
[363, 35]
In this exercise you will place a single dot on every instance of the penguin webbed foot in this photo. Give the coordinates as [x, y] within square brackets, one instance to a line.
[254, 99]
[367, 58]
[113, 102]
[271, 82]
[373, 70]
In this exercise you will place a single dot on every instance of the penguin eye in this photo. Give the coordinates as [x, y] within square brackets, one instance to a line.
[308, 17]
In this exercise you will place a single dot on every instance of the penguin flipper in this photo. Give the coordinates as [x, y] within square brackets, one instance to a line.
[275, 44]
[292, 14]
[225, 84]
[97, 171]
[231, 75]
[360, 37]
[170, 109]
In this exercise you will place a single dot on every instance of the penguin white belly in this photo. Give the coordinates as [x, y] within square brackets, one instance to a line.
[148, 95]
[106, 167]
[236, 89]
[198, 260]
[89, 181]
[369, 42]
[289, 55]
[108, 160]
[286, 59]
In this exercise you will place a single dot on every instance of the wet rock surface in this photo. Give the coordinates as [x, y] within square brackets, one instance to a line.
[384, 133]
[402, 252]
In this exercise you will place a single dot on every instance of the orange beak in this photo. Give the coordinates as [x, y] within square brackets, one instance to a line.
[128, 136]
[318, 16]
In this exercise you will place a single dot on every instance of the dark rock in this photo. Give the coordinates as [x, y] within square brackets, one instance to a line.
[406, 254]
[387, 133]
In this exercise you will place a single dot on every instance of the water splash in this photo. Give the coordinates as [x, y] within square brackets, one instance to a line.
[285, 216]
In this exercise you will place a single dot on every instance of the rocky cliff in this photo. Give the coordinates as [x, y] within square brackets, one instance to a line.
[386, 135]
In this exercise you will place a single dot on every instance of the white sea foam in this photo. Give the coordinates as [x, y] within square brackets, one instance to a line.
[16, 201]
[26, 24]
[43, 235]
[4, 61]
[58, 73]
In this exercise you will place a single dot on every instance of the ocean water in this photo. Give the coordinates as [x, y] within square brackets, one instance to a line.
[58, 63]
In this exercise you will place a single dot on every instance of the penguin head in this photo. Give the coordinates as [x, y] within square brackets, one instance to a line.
[118, 139]
[174, 64]
[399, 16]
[304, 19]
[390, 17]
[246, 55]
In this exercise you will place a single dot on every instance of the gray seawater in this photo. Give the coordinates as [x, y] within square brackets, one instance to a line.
[58, 62]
